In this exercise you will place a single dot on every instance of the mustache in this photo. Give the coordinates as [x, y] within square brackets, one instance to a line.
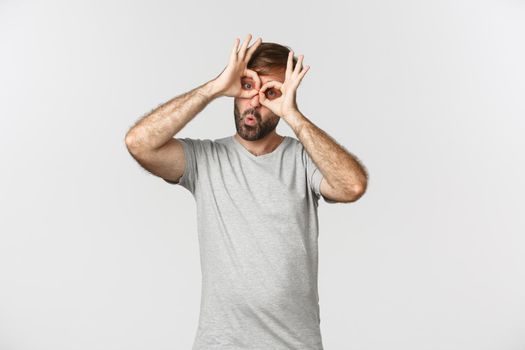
[253, 112]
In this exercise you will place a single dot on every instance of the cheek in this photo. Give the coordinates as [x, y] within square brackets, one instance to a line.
[268, 113]
[268, 116]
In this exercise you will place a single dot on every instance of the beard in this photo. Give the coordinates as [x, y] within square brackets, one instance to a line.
[257, 131]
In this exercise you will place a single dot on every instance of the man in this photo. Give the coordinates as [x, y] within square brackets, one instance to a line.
[256, 195]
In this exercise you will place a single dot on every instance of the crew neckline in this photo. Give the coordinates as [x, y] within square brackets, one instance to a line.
[262, 156]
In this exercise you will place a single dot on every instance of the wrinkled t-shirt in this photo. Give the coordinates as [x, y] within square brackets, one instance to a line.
[257, 227]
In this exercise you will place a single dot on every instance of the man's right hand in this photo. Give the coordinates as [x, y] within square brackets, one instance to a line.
[228, 82]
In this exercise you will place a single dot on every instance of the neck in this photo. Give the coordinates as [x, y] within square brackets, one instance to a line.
[262, 146]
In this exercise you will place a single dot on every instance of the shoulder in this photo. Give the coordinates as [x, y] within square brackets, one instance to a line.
[293, 144]
[299, 149]
[200, 143]
[206, 148]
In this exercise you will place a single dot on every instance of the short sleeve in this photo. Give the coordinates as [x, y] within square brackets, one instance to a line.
[314, 176]
[189, 176]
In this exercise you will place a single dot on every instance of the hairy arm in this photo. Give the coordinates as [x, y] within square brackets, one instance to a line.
[160, 125]
[344, 176]
[151, 140]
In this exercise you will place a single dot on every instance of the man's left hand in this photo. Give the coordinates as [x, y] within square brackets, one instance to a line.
[285, 104]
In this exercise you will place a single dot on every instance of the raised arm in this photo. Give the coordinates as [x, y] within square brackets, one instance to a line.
[151, 140]
[344, 177]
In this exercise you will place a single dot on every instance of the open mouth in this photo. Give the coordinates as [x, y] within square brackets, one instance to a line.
[250, 120]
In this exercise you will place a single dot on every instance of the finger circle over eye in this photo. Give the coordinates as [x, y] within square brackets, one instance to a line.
[273, 83]
[252, 74]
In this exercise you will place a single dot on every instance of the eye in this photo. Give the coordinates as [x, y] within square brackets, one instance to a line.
[272, 94]
[247, 84]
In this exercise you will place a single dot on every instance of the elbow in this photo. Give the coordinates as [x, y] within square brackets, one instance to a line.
[130, 138]
[356, 192]
[131, 144]
[359, 188]
[129, 141]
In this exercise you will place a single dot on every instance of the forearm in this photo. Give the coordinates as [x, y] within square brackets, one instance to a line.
[340, 168]
[160, 125]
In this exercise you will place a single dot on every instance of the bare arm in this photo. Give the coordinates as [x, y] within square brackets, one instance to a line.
[150, 141]
[345, 178]
[160, 125]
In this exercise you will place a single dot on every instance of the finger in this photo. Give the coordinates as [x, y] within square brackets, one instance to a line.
[298, 66]
[270, 84]
[242, 51]
[233, 53]
[262, 99]
[248, 94]
[289, 65]
[252, 48]
[252, 74]
[303, 72]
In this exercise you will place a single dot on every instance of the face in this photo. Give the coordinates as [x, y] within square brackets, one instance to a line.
[265, 120]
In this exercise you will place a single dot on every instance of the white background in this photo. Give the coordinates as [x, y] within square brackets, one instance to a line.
[96, 253]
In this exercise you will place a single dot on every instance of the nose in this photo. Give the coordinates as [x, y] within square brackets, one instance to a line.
[254, 101]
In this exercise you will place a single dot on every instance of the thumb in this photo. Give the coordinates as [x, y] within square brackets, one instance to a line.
[263, 100]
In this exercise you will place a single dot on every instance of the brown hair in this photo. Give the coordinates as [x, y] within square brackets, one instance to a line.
[270, 57]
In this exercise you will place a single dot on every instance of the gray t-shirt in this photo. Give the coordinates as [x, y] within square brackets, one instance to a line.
[258, 228]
